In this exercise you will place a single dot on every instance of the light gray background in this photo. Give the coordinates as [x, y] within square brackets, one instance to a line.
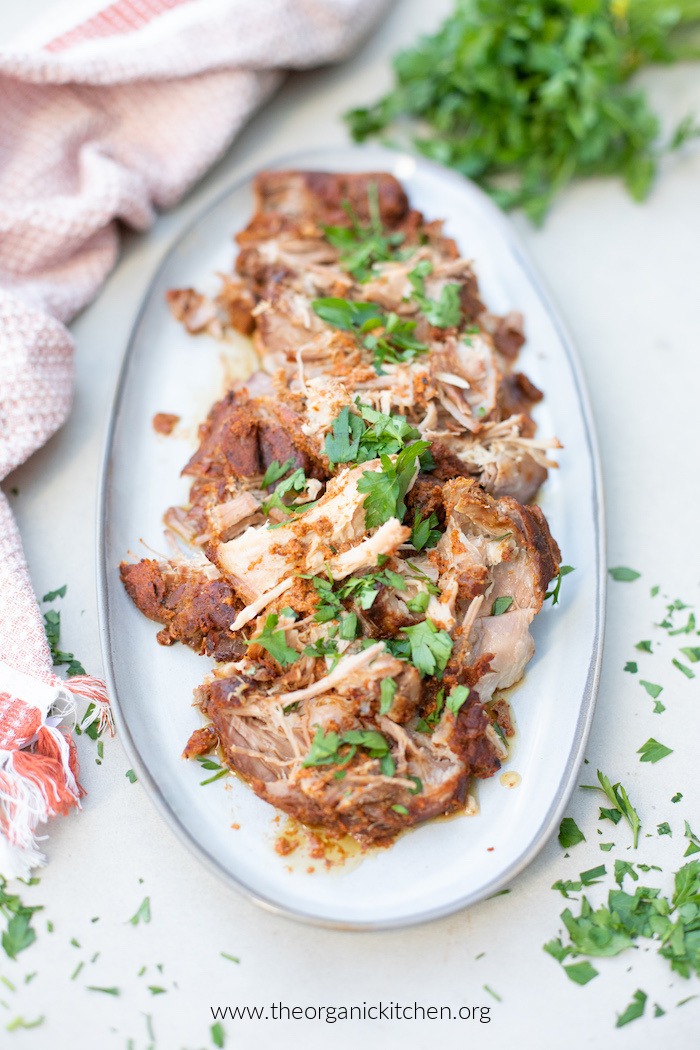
[625, 278]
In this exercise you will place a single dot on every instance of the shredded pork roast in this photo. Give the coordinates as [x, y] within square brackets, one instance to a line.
[364, 565]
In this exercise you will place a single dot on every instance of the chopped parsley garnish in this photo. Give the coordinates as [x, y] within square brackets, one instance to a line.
[564, 570]
[143, 914]
[52, 627]
[324, 647]
[390, 338]
[664, 829]
[445, 312]
[274, 642]
[624, 575]
[60, 592]
[427, 724]
[644, 647]
[430, 648]
[653, 751]
[362, 245]
[19, 933]
[294, 483]
[131, 776]
[218, 1035]
[211, 767]
[386, 489]
[419, 604]
[569, 833]
[276, 471]
[398, 808]
[501, 605]
[425, 532]
[631, 667]
[367, 434]
[652, 688]
[581, 972]
[334, 749]
[457, 699]
[634, 1010]
[692, 653]
[620, 800]
[387, 689]
[677, 797]
[105, 991]
[683, 669]
[693, 842]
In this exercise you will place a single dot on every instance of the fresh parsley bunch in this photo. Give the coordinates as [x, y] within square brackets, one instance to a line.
[523, 97]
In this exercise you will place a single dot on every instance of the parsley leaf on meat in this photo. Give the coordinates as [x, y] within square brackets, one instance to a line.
[362, 245]
[385, 489]
[389, 337]
[274, 642]
[430, 648]
[425, 532]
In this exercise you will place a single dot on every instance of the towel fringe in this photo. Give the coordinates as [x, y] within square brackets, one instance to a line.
[94, 690]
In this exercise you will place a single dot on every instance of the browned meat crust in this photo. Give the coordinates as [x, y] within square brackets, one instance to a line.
[193, 608]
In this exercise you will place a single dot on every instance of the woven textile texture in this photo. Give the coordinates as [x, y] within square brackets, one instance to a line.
[104, 122]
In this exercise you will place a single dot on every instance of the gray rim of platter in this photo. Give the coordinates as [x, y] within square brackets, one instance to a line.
[358, 159]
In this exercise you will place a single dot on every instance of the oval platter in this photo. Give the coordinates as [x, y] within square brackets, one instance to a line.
[444, 865]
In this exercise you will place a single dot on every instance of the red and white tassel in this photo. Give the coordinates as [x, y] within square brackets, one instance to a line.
[94, 690]
[38, 759]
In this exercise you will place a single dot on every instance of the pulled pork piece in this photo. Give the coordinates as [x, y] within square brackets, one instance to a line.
[194, 605]
[291, 746]
[260, 558]
[496, 558]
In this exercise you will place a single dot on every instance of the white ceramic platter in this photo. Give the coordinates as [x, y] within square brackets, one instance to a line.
[444, 865]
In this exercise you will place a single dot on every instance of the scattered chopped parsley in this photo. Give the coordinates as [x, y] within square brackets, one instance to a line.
[389, 338]
[398, 808]
[622, 868]
[581, 972]
[218, 1036]
[276, 471]
[19, 1022]
[652, 688]
[457, 699]
[677, 797]
[683, 669]
[212, 767]
[293, 483]
[501, 605]
[105, 991]
[644, 647]
[430, 647]
[231, 958]
[564, 570]
[388, 689]
[385, 489]
[620, 800]
[653, 751]
[425, 532]
[52, 627]
[60, 592]
[445, 312]
[365, 434]
[331, 749]
[143, 914]
[361, 245]
[427, 724]
[693, 841]
[664, 828]
[131, 776]
[19, 933]
[631, 667]
[624, 575]
[692, 653]
[634, 1010]
[569, 833]
[274, 642]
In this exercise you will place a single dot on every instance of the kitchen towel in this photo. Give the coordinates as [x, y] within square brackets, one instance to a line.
[109, 113]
